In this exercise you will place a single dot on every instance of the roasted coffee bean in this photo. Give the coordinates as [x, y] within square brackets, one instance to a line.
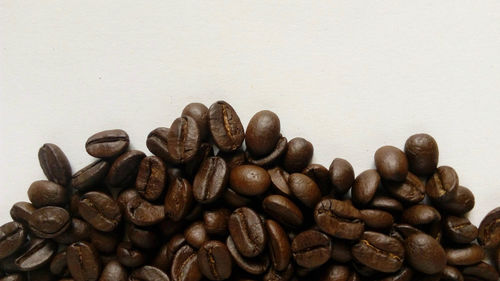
[216, 221]
[424, 253]
[311, 249]
[104, 242]
[391, 163]
[411, 190]
[225, 126]
[142, 213]
[90, 175]
[442, 184]
[482, 271]
[205, 151]
[489, 229]
[13, 277]
[37, 253]
[376, 219]
[144, 238]
[279, 180]
[386, 203]
[364, 187]
[341, 175]
[126, 195]
[83, 261]
[59, 264]
[248, 232]
[319, 174]
[298, 155]
[114, 271]
[341, 251]
[130, 256]
[459, 203]
[165, 255]
[249, 180]
[279, 245]
[466, 255]
[283, 210]
[199, 112]
[304, 189]
[147, 273]
[451, 273]
[459, 230]
[151, 178]
[214, 260]
[210, 180]
[21, 211]
[185, 265]
[157, 144]
[46, 193]
[422, 153]
[107, 144]
[196, 234]
[275, 275]
[339, 219]
[263, 132]
[379, 252]
[179, 199]
[271, 158]
[78, 230]
[420, 215]
[497, 258]
[406, 230]
[55, 164]
[235, 200]
[41, 274]
[100, 210]
[183, 139]
[255, 266]
[233, 159]
[335, 272]
[49, 222]
[12, 237]
[124, 169]
[404, 274]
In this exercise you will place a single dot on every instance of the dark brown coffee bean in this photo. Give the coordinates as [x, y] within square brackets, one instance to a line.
[459, 203]
[210, 180]
[275, 275]
[442, 184]
[142, 213]
[467, 255]
[126, 195]
[165, 255]
[100, 210]
[451, 273]
[249, 180]
[283, 210]
[365, 186]
[341, 251]
[90, 175]
[319, 174]
[147, 273]
[271, 158]
[234, 199]
[311, 249]
[489, 229]
[459, 230]
[78, 230]
[12, 237]
[391, 163]
[233, 159]
[144, 238]
[59, 265]
[107, 144]
[55, 164]
[114, 271]
[157, 144]
[13, 277]
[263, 132]
[425, 254]
[379, 252]
[196, 234]
[225, 126]
[46, 193]
[199, 112]
[412, 190]
[248, 232]
[41, 274]
[420, 215]
[37, 254]
[279, 245]
[179, 199]
[216, 221]
[279, 180]
[183, 139]
[83, 261]
[386, 203]
[124, 169]
[151, 178]
[104, 242]
[482, 271]
[377, 219]
[49, 222]
[335, 272]
[298, 155]
[21, 211]
[339, 219]
[304, 189]
[406, 230]
[341, 175]
[130, 256]
[404, 274]
[204, 152]
[422, 153]
[255, 266]
[214, 260]
[497, 258]
[185, 265]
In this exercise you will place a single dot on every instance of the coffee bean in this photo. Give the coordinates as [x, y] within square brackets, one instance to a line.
[124, 169]
[55, 164]
[234, 199]
[335, 272]
[379, 252]
[196, 234]
[420, 215]
[283, 210]
[142, 213]
[311, 249]
[12, 237]
[77, 231]
[263, 132]
[391, 163]
[451, 273]
[377, 219]
[185, 265]
[279, 245]
[151, 178]
[46, 193]
[204, 152]
[165, 255]
[459, 230]
[467, 255]
[107, 144]
[199, 112]
[225, 126]
[489, 229]
[157, 144]
[339, 219]
[271, 158]
[37, 254]
[482, 271]
[249, 180]
[183, 139]
[179, 199]
[319, 174]
[497, 258]
[341, 251]
[21, 212]
[411, 191]
[406, 230]
[442, 184]
[298, 155]
[42, 274]
[341, 175]
[126, 195]
[248, 232]
[144, 238]
[279, 180]
[214, 260]
[404, 274]
[216, 221]
[130, 256]
[104, 242]
[210, 180]
[147, 273]
[284, 275]
[422, 153]
[90, 175]
[83, 261]
[114, 271]
[100, 210]
[13, 277]
[459, 203]
[257, 265]
[49, 222]
[386, 203]
[424, 253]
[59, 265]
[233, 159]
[364, 187]
[304, 189]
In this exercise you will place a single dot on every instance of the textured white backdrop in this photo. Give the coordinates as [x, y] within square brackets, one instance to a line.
[350, 76]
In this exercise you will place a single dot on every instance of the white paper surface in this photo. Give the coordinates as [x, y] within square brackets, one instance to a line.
[350, 76]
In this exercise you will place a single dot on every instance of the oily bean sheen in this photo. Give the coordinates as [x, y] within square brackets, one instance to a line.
[83, 262]
[283, 210]
[311, 248]
[386, 203]
[424, 253]
[114, 271]
[442, 184]
[196, 234]
[391, 163]
[255, 266]
[248, 232]
[335, 272]
[199, 112]
[216, 221]
[49, 222]
[37, 254]
[130, 256]
[147, 273]
[467, 255]
[151, 178]
[214, 260]
[210, 180]
[179, 199]
[279, 245]
[100, 210]
[263, 132]
[420, 214]
[183, 139]
[459, 230]
[377, 219]
[46, 193]
[124, 168]
[304, 189]
[339, 219]
[412, 190]
[90, 175]
[364, 187]
[298, 155]
[55, 164]
[142, 213]
[451, 273]
[422, 153]
[185, 265]
[249, 180]
[379, 252]
[489, 229]
[225, 126]
[107, 144]
[12, 237]
[341, 175]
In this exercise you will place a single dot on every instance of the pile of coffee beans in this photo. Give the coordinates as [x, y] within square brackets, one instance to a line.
[206, 206]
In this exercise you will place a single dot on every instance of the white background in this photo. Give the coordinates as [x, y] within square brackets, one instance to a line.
[350, 76]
